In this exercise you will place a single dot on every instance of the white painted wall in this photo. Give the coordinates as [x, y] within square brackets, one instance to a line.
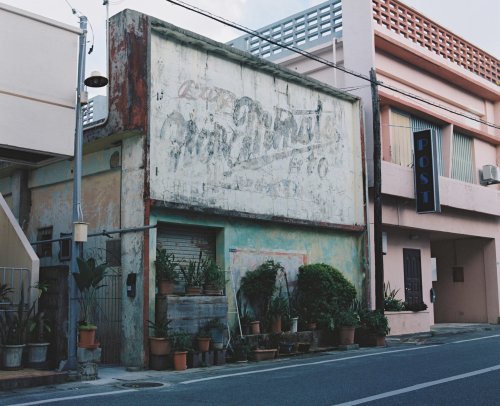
[37, 82]
[230, 137]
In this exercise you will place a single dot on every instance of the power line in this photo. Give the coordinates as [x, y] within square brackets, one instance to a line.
[321, 60]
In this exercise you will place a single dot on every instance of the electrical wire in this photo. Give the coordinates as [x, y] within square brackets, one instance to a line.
[324, 61]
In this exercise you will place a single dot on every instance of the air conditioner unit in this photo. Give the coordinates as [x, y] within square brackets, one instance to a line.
[491, 174]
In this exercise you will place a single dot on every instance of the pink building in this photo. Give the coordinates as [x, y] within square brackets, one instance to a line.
[455, 252]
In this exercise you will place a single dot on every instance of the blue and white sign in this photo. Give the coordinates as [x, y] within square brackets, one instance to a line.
[426, 172]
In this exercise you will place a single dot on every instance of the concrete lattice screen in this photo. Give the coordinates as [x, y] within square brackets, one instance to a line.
[412, 25]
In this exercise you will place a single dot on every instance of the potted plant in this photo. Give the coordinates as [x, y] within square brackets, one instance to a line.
[14, 326]
[277, 309]
[239, 348]
[193, 276]
[166, 271]
[213, 277]
[203, 338]
[347, 320]
[258, 287]
[216, 328]
[89, 280]
[391, 302]
[377, 326]
[182, 343]
[159, 342]
[322, 291]
[38, 344]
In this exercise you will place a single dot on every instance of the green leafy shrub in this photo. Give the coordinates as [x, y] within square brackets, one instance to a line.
[322, 292]
[375, 322]
[258, 287]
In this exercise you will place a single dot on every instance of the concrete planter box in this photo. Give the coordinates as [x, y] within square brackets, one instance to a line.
[407, 322]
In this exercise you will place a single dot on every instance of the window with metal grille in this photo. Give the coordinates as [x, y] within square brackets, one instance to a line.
[45, 249]
[114, 252]
[65, 247]
[462, 159]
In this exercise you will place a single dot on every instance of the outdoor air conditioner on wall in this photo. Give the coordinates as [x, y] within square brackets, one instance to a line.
[491, 174]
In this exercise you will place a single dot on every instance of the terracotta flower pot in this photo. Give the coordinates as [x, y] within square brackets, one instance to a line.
[180, 360]
[165, 287]
[203, 344]
[86, 337]
[346, 335]
[380, 341]
[159, 346]
[276, 325]
[255, 325]
[193, 290]
[311, 326]
[263, 355]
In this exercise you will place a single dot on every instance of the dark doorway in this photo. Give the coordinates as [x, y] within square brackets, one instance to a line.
[54, 302]
[413, 277]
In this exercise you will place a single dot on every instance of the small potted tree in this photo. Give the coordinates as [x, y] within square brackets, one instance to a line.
[377, 327]
[277, 309]
[203, 338]
[214, 278]
[89, 280]
[38, 344]
[347, 321]
[182, 343]
[166, 271]
[159, 342]
[193, 276]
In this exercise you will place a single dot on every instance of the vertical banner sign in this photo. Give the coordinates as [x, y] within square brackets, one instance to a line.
[426, 172]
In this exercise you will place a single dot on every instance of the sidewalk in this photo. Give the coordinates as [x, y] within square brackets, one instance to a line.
[26, 378]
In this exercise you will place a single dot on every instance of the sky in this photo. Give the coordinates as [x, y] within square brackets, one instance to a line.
[477, 21]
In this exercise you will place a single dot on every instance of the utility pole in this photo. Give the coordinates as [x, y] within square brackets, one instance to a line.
[377, 195]
[76, 247]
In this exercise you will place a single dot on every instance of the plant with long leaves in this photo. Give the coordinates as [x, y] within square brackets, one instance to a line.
[89, 280]
[14, 325]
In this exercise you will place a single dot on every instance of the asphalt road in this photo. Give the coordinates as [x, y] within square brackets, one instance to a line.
[460, 370]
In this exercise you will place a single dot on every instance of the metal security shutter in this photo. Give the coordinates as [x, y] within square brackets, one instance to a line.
[462, 161]
[186, 241]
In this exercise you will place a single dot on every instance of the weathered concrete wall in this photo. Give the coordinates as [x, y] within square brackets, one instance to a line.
[133, 251]
[52, 198]
[243, 245]
[225, 135]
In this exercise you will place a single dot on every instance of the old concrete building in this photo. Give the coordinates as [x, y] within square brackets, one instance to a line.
[443, 83]
[205, 147]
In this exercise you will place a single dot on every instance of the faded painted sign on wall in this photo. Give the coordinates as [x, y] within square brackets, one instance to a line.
[226, 136]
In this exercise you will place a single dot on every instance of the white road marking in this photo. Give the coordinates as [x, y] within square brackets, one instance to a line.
[418, 387]
[328, 361]
[90, 395]
[475, 339]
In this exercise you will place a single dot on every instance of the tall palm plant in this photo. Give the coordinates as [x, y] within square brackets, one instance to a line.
[89, 280]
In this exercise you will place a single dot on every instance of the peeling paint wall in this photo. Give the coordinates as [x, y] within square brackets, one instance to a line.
[242, 245]
[227, 136]
[52, 198]
[132, 214]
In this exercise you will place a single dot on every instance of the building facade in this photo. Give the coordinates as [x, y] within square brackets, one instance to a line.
[435, 80]
[227, 154]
